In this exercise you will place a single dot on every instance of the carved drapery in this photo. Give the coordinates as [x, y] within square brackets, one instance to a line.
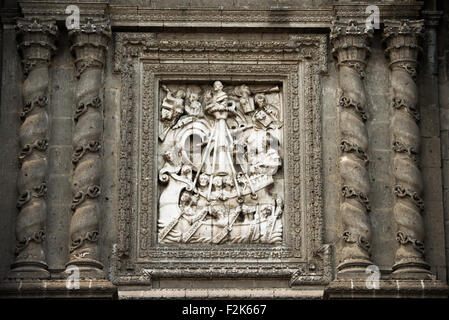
[351, 49]
[402, 49]
[89, 45]
[36, 45]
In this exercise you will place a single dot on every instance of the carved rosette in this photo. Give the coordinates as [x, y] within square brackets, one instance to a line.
[351, 48]
[89, 46]
[36, 44]
[402, 48]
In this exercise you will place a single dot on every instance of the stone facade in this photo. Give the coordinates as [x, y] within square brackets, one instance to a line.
[274, 149]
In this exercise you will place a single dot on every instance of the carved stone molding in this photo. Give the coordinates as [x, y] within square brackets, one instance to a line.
[225, 15]
[144, 61]
[36, 44]
[402, 48]
[89, 46]
[350, 49]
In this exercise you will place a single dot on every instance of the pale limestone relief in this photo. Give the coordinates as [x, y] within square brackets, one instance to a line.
[219, 161]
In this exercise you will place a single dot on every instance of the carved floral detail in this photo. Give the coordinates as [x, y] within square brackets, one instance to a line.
[27, 150]
[80, 151]
[357, 106]
[91, 192]
[349, 192]
[402, 192]
[398, 103]
[357, 239]
[83, 107]
[347, 146]
[40, 101]
[37, 192]
[405, 239]
[91, 236]
[37, 237]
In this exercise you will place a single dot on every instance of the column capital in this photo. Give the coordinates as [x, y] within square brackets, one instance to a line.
[36, 39]
[402, 40]
[350, 43]
[89, 43]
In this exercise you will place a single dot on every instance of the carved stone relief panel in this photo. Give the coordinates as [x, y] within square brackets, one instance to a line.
[220, 159]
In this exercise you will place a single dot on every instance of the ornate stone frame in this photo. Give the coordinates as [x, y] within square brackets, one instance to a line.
[297, 62]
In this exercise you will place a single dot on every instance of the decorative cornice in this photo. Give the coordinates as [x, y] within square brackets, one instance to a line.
[132, 45]
[226, 15]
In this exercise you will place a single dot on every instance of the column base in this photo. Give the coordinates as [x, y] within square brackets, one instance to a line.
[386, 289]
[412, 270]
[54, 289]
[29, 270]
[88, 268]
[353, 269]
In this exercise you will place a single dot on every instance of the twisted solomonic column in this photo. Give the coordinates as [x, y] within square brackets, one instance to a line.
[36, 45]
[402, 48]
[89, 46]
[351, 48]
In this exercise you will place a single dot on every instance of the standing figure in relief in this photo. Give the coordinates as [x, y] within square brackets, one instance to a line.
[217, 186]
[228, 188]
[193, 105]
[172, 109]
[193, 108]
[267, 115]
[246, 101]
[169, 210]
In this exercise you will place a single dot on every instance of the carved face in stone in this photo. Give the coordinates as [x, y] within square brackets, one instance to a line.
[185, 198]
[227, 181]
[217, 182]
[193, 97]
[203, 180]
[218, 86]
[260, 100]
[266, 212]
[166, 114]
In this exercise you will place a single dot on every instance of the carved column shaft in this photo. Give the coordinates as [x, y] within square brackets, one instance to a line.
[89, 45]
[37, 46]
[402, 48]
[351, 49]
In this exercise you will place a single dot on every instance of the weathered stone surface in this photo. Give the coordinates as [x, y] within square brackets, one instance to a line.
[360, 177]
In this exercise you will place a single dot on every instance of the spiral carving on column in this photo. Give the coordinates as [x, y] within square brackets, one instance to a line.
[351, 49]
[36, 44]
[402, 49]
[89, 46]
